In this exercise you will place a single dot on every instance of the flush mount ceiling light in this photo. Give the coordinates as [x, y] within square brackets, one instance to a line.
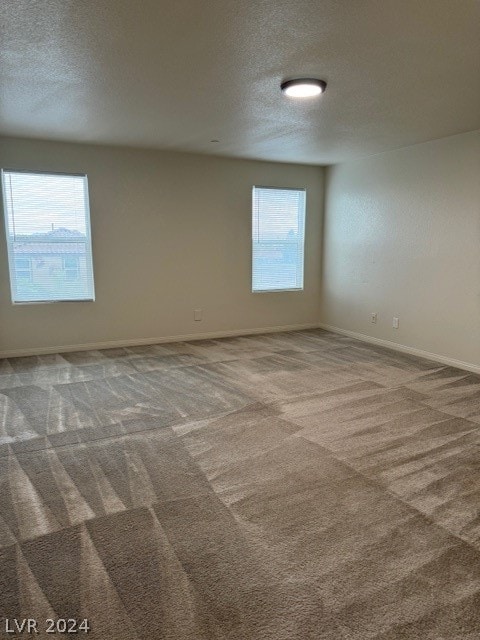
[303, 87]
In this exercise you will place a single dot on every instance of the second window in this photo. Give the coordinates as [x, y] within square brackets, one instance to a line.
[278, 238]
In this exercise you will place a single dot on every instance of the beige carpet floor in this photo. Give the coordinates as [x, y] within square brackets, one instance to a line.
[295, 486]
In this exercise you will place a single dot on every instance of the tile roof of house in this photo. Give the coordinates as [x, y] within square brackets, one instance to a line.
[51, 243]
[46, 248]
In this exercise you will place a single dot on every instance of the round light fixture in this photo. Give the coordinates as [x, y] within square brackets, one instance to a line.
[303, 87]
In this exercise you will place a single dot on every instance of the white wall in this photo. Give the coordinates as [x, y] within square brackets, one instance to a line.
[171, 233]
[402, 238]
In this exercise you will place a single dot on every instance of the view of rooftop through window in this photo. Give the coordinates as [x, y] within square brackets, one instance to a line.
[41, 203]
[278, 230]
[47, 223]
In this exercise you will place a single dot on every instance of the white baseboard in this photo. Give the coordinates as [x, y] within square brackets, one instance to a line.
[452, 362]
[89, 346]
[459, 364]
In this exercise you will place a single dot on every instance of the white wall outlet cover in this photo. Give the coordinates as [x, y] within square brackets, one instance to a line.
[395, 323]
[373, 318]
[197, 314]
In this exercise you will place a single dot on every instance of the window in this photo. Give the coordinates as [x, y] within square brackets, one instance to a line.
[278, 235]
[71, 268]
[23, 269]
[47, 225]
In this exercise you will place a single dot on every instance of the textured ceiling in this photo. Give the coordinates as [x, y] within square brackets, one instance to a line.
[176, 74]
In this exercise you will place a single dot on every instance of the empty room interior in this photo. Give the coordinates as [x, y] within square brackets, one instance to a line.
[240, 319]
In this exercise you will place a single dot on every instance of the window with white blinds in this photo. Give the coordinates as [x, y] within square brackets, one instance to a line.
[278, 238]
[47, 226]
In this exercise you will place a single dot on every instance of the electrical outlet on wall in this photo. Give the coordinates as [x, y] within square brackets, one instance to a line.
[395, 323]
[373, 318]
[197, 315]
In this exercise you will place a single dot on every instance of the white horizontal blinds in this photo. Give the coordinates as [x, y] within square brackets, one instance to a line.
[48, 236]
[278, 237]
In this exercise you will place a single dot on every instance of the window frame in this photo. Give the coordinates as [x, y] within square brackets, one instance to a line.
[290, 289]
[88, 234]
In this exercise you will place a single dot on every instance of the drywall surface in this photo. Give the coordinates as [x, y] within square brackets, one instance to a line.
[402, 239]
[171, 233]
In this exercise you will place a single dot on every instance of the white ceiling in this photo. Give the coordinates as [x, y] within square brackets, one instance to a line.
[178, 73]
